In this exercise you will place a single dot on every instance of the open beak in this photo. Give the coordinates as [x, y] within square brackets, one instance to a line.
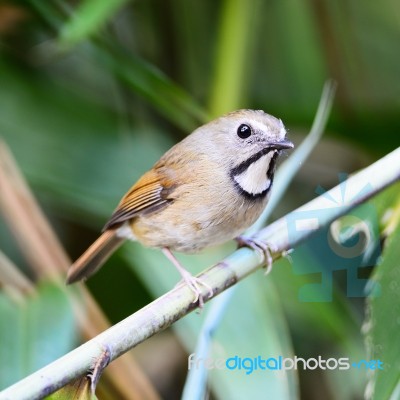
[283, 144]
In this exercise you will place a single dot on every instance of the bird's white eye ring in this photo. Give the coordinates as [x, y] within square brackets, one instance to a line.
[244, 131]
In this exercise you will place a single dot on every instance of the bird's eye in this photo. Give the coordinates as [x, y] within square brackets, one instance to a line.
[244, 131]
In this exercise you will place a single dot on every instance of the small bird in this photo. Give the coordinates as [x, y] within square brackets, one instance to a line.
[204, 191]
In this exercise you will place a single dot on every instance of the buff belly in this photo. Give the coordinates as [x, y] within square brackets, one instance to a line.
[197, 228]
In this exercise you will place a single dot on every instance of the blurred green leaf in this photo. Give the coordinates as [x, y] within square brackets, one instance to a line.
[87, 19]
[383, 321]
[237, 28]
[385, 202]
[334, 320]
[143, 78]
[34, 332]
[151, 83]
[79, 161]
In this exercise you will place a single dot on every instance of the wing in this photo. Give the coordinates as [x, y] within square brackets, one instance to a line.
[147, 195]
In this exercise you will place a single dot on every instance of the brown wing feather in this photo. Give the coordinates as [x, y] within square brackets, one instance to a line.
[148, 194]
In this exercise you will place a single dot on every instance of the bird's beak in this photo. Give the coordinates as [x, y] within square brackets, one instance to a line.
[283, 144]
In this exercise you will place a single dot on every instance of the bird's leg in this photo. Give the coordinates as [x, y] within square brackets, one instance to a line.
[260, 247]
[188, 278]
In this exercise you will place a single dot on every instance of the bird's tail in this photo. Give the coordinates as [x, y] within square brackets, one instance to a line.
[94, 257]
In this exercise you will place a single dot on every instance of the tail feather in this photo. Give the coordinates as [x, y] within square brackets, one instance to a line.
[94, 257]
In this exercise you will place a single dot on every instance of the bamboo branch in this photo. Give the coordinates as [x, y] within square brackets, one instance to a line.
[176, 303]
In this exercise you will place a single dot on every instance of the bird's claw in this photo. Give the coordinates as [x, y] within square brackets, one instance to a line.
[194, 285]
[262, 248]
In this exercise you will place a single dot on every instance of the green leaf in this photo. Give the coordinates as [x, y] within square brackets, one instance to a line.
[383, 322]
[151, 83]
[234, 48]
[145, 79]
[87, 19]
[142, 77]
[34, 333]
[385, 202]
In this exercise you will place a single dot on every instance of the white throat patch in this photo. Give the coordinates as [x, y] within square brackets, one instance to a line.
[254, 179]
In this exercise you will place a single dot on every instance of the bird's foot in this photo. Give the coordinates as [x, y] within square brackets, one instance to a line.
[263, 249]
[194, 284]
[191, 281]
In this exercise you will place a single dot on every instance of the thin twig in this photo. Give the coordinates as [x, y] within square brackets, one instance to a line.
[167, 309]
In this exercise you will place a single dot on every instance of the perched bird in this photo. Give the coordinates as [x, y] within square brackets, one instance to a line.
[205, 190]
